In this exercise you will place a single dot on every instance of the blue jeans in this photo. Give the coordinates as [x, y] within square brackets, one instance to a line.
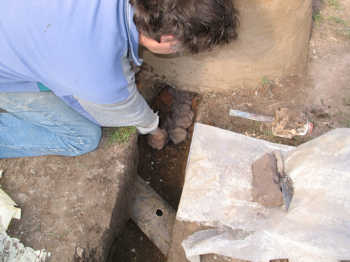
[37, 124]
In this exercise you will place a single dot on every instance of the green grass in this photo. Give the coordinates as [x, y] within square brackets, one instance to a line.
[265, 81]
[318, 18]
[334, 3]
[122, 135]
[337, 20]
[342, 26]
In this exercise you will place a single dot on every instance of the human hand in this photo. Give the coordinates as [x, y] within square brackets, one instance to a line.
[167, 45]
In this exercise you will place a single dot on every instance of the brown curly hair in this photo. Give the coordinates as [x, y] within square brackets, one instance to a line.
[198, 24]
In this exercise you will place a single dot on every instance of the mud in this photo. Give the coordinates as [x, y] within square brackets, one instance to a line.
[176, 112]
[265, 187]
[157, 139]
[176, 117]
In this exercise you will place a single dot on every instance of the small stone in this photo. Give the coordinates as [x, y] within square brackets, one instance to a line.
[22, 197]
[184, 108]
[265, 187]
[166, 97]
[184, 121]
[177, 135]
[158, 139]
[80, 252]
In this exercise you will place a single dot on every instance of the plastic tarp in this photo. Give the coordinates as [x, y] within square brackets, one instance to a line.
[8, 210]
[217, 193]
[11, 249]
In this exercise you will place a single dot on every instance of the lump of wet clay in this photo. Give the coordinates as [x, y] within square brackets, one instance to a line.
[177, 116]
[184, 120]
[157, 139]
[177, 135]
[265, 187]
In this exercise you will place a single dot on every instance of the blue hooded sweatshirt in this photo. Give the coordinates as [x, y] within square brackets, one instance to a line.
[74, 47]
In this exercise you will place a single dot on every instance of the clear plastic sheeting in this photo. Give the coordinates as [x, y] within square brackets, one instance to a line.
[217, 193]
[8, 210]
[11, 250]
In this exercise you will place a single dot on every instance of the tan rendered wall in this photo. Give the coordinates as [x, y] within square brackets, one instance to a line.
[273, 42]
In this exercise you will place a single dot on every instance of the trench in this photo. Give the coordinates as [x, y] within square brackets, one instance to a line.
[164, 171]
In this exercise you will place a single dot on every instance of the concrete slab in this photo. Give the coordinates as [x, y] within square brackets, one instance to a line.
[72, 204]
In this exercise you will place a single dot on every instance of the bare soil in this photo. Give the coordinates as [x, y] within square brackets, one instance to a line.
[72, 206]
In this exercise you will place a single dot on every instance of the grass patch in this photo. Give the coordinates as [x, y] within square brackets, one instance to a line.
[342, 26]
[334, 3]
[122, 134]
[265, 81]
[337, 20]
[318, 18]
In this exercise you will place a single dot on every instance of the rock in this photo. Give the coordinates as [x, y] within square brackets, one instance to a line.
[184, 120]
[182, 109]
[177, 135]
[265, 188]
[166, 97]
[158, 139]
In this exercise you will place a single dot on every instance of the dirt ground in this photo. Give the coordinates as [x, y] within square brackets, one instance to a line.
[323, 93]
